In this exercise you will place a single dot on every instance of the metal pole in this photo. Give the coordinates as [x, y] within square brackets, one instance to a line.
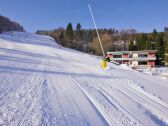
[104, 56]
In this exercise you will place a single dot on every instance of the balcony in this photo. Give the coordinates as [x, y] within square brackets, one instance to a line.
[135, 59]
[144, 58]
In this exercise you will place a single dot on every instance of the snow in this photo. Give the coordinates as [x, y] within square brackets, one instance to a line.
[125, 66]
[42, 83]
[161, 72]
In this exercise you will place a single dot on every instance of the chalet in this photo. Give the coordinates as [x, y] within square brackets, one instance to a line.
[135, 59]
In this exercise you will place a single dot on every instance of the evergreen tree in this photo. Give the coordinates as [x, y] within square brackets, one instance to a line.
[166, 29]
[78, 27]
[79, 38]
[132, 46]
[166, 53]
[79, 33]
[69, 35]
[142, 42]
[154, 39]
[149, 45]
[155, 32]
[160, 49]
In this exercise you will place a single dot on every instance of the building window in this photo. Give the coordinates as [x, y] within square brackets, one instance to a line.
[130, 56]
[142, 55]
[117, 56]
[142, 63]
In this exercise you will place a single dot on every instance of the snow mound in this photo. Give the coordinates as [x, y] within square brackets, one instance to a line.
[125, 67]
[155, 71]
[162, 70]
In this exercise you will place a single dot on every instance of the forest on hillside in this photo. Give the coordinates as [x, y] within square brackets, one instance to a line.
[113, 40]
[86, 40]
[7, 25]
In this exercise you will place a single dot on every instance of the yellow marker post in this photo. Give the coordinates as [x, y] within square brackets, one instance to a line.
[103, 64]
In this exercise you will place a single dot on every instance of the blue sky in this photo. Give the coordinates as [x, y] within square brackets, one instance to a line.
[143, 15]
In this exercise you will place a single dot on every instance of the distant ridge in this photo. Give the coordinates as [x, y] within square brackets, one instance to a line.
[7, 25]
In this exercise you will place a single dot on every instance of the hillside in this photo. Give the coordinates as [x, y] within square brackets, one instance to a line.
[7, 25]
[43, 83]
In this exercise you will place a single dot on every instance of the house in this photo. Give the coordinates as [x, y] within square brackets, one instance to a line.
[135, 59]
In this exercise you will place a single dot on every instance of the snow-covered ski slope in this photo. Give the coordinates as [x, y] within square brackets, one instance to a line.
[43, 84]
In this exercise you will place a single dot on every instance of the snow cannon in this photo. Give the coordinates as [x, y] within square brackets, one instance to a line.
[103, 64]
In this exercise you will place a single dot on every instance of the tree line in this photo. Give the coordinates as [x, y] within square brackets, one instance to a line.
[7, 25]
[79, 38]
[113, 40]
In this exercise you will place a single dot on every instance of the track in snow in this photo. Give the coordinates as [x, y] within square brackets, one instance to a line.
[42, 84]
[107, 89]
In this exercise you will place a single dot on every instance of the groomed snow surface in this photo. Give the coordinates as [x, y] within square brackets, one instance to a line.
[42, 83]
